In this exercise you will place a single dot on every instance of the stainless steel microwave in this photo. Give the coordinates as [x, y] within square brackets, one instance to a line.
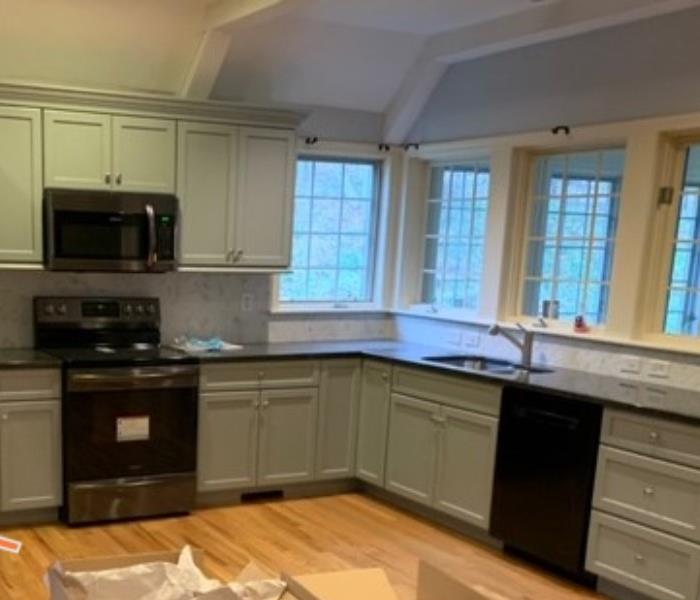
[109, 231]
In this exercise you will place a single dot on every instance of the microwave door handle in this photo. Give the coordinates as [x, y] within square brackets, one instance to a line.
[152, 254]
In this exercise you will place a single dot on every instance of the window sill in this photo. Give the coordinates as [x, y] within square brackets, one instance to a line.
[326, 310]
[662, 343]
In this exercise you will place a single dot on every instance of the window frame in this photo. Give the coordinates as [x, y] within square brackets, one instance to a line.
[672, 171]
[526, 238]
[347, 153]
[429, 308]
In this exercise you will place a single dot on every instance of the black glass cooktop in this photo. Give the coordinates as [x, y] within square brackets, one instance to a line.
[104, 356]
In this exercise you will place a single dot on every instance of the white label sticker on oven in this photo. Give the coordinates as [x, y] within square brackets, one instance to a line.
[133, 429]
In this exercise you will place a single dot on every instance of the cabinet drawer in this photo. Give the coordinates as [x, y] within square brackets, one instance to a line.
[256, 375]
[30, 384]
[660, 438]
[649, 562]
[649, 491]
[459, 392]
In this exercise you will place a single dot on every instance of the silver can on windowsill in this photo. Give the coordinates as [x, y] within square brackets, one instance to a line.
[550, 309]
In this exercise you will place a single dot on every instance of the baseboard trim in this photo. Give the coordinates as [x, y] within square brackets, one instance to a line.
[35, 516]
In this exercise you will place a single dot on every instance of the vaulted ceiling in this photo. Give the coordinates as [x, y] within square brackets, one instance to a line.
[383, 56]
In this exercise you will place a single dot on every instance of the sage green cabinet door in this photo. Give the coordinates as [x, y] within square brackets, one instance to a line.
[20, 185]
[77, 150]
[143, 154]
[373, 422]
[287, 442]
[337, 419]
[228, 441]
[465, 465]
[30, 455]
[412, 448]
[206, 188]
[263, 221]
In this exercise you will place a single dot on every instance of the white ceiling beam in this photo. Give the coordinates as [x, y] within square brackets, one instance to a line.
[545, 22]
[408, 103]
[222, 18]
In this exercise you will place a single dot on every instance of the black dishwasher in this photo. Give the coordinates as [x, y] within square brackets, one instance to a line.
[545, 469]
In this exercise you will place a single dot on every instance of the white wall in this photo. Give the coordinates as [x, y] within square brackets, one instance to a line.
[641, 69]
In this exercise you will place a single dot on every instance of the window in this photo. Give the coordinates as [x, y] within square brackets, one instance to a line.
[571, 239]
[683, 299]
[334, 235]
[454, 235]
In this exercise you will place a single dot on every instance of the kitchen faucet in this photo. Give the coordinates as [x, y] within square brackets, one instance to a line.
[525, 346]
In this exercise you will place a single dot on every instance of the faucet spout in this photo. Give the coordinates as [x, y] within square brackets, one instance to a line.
[525, 345]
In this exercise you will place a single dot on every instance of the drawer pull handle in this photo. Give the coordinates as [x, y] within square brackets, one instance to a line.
[649, 491]
[654, 436]
[639, 558]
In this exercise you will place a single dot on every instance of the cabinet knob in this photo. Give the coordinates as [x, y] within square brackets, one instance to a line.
[119, 179]
[261, 374]
[385, 376]
[654, 436]
[649, 491]
[5, 416]
[639, 558]
[265, 403]
[256, 403]
[108, 178]
[237, 255]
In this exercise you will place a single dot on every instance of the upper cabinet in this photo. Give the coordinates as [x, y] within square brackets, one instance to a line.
[235, 187]
[103, 152]
[263, 220]
[206, 187]
[20, 185]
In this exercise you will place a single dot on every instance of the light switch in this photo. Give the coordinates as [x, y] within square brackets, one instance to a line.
[660, 369]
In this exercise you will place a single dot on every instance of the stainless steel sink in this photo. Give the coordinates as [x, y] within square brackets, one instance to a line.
[484, 364]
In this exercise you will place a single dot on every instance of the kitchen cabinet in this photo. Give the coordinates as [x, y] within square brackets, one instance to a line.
[466, 457]
[206, 187]
[337, 418]
[30, 454]
[412, 448]
[20, 185]
[373, 423]
[442, 457]
[287, 433]
[228, 440]
[104, 152]
[264, 202]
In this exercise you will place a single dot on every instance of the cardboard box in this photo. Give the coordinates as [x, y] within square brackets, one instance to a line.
[435, 584]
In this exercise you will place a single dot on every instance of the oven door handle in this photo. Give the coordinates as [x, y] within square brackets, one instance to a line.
[132, 378]
[152, 250]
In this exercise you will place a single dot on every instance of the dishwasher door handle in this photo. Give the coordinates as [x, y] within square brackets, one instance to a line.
[548, 418]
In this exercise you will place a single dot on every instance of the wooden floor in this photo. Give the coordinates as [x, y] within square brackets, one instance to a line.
[298, 536]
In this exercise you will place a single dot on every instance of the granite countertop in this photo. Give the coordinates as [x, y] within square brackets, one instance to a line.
[21, 358]
[613, 391]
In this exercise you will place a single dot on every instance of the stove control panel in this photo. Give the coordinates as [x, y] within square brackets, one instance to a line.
[97, 310]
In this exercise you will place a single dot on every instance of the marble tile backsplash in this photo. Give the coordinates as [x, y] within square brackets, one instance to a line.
[585, 355]
[192, 303]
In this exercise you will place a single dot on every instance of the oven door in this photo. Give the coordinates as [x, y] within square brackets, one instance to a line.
[102, 231]
[130, 422]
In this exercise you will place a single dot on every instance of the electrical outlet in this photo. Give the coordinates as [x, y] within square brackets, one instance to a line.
[630, 364]
[659, 369]
[247, 302]
[471, 339]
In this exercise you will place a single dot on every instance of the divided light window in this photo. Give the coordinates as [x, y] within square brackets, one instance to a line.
[334, 237]
[683, 300]
[571, 239]
[454, 235]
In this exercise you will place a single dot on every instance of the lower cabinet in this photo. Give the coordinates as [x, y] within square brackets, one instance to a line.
[339, 394]
[287, 442]
[228, 440]
[442, 457]
[373, 421]
[30, 455]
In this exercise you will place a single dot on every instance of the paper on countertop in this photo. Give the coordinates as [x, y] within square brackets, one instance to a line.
[195, 344]
[168, 581]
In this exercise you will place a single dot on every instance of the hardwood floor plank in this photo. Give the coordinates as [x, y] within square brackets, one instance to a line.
[297, 536]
